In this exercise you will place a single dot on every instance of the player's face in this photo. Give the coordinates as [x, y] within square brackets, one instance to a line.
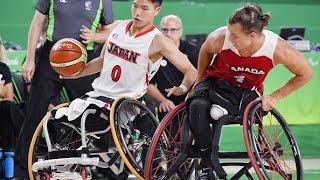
[143, 12]
[172, 29]
[238, 37]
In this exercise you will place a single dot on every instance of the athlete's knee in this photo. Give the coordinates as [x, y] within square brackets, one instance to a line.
[199, 104]
[199, 110]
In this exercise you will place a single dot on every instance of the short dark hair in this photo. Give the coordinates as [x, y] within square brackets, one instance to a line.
[157, 2]
[251, 18]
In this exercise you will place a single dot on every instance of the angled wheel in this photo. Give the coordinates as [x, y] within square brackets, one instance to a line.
[165, 148]
[64, 143]
[132, 126]
[57, 151]
[271, 146]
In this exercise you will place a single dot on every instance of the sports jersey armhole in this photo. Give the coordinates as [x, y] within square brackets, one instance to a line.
[149, 50]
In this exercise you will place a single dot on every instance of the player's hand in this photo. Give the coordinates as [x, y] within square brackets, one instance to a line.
[166, 106]
[87, 35]
[27, 70]
[268, 102]
[74, 76]
[177, 91]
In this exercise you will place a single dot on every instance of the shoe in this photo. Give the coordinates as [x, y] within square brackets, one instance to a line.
[207, 174]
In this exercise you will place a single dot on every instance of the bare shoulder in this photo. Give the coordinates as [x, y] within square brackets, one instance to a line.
[215, 40]
[285, 53]
[162, 46]
[160, 43]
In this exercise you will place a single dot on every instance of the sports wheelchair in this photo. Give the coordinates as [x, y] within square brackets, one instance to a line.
[271, 148]
[62, 149]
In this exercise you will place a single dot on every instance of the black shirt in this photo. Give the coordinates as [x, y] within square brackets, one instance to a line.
[168, 75]
[5, 73]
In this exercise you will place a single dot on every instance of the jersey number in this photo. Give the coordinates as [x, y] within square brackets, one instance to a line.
[116, 73]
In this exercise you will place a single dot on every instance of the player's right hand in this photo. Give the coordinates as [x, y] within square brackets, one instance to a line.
[166, 106]
[27, 70]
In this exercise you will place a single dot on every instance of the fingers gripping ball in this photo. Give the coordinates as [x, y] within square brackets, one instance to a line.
[68, 57]
[217, 111]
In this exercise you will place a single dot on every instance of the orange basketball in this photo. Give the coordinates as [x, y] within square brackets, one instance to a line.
[68, 57]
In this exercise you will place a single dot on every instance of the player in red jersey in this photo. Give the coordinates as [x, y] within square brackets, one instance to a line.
[245, 53]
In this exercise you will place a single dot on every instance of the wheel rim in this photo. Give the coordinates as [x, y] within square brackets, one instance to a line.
[274, 151]
[134, 138]
[165, 147]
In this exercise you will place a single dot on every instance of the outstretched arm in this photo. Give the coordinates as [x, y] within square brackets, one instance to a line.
[165, 105]
[165, 47]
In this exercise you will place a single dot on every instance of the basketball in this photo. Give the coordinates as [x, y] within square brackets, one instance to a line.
[68, 57]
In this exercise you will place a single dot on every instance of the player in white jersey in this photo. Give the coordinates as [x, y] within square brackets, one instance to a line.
[131, 56]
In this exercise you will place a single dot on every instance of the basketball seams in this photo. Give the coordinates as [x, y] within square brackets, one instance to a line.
[67, 50]
[69, 63]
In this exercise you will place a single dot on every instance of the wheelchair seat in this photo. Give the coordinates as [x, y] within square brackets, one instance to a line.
[97, 119]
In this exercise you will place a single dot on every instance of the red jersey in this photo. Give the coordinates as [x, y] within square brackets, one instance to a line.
[246, 72]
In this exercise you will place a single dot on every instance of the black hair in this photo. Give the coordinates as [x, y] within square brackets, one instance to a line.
[251, 18]
[157, 3]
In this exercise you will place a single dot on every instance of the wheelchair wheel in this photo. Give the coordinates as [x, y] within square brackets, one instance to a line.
[65, 142]
[132, 126]
[271, 146]
[38, 149]
[165, 148]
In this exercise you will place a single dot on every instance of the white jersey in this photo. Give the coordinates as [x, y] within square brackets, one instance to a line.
[127, 68]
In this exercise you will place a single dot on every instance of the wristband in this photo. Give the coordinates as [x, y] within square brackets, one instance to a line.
[184, 88]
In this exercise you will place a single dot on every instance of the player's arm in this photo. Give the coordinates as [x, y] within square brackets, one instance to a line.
[168, 49]
[295, 62]
[212, 45]
[28, 66]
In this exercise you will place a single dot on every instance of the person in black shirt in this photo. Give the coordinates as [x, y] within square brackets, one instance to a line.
[11, 118]
[66, 19]
[167, 75]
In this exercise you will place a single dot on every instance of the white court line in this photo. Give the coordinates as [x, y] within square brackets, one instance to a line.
[311, 164]
[308, 164]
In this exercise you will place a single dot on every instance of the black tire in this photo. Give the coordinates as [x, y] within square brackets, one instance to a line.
[132, 127]
[271, 146]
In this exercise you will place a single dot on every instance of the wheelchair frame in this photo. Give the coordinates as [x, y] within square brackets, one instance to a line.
[178, 154]
[118, 108]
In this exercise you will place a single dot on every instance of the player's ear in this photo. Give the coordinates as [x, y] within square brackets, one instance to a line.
[253, 34]
[157, 11]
